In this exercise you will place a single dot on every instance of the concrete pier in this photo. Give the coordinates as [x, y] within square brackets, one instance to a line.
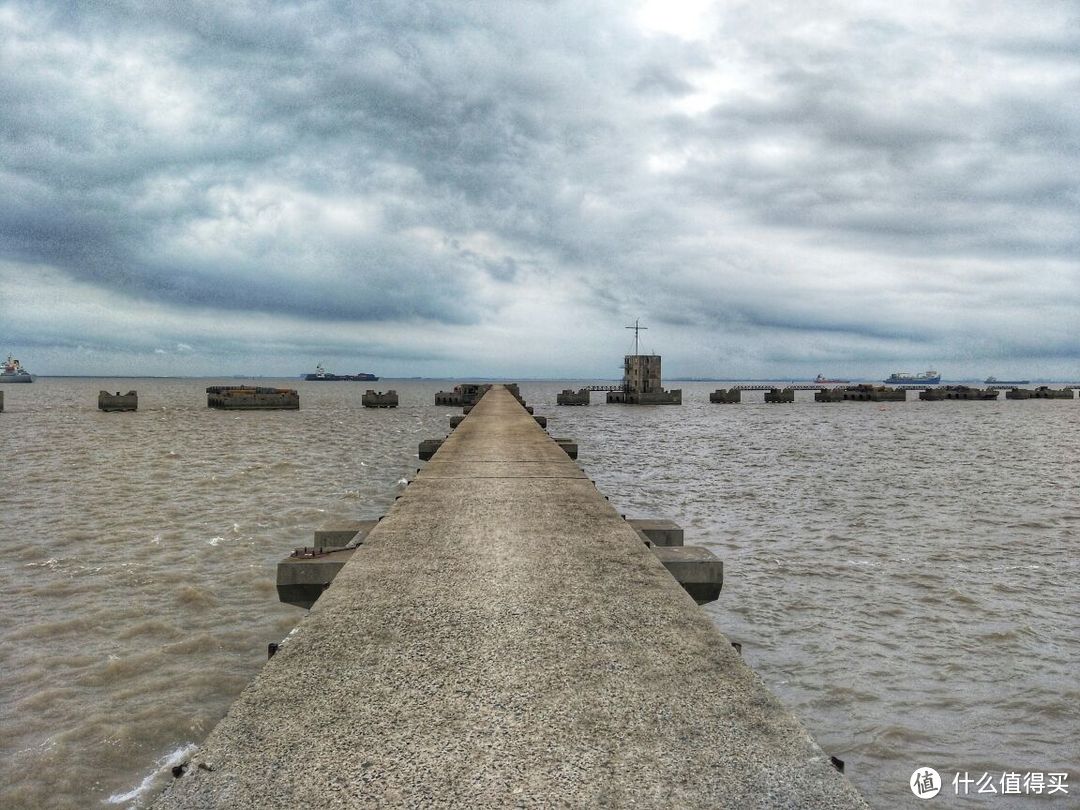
[503, 638]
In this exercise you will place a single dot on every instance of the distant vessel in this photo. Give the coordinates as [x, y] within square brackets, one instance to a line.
[820, 379]
[322, 375]
[14, 372]
[996, 381]
[926, 378]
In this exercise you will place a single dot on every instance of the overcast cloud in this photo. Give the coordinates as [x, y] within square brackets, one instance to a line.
[498, 188]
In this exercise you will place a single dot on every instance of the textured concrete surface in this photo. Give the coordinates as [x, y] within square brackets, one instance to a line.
[505, 639]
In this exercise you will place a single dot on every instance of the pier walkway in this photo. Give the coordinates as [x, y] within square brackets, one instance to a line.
[503, 638]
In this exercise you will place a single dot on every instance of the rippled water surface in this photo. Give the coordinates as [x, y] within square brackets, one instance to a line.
[904, 575]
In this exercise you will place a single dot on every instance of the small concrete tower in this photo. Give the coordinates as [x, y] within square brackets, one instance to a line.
[641, 379]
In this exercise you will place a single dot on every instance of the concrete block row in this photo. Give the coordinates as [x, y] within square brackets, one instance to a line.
[307, 572]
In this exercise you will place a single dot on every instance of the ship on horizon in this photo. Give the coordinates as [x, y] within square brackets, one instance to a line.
[322, 375]
[14, 372]
[903, 378]
[996, 381]
[821, 379]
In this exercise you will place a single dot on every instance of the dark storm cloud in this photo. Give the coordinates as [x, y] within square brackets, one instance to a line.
[852, 174]
[421, 112]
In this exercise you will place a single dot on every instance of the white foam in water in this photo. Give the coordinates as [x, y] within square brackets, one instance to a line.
[180, 755]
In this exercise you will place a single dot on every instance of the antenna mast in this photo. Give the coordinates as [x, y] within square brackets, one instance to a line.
[636, 329]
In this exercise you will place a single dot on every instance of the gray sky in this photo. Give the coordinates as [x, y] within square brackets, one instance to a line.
[498, 188]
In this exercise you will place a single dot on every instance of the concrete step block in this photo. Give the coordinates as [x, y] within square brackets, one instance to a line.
[455, 421]
[658, 531]
[568, 445]
[697, 569]
[541, 421]
[342, 534]
[301, 580]
[428, 448]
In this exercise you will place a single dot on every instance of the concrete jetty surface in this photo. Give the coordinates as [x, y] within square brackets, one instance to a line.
[503, 638]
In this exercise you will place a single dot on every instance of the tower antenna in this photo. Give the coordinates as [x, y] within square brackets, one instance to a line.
[636, 329]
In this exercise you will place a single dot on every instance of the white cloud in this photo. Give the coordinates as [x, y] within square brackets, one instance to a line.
[502, 186]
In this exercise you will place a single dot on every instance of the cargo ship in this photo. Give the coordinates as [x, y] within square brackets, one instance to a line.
[14, 372]
[821, 379]
[322, 375]
[926, 378]
[996, 381]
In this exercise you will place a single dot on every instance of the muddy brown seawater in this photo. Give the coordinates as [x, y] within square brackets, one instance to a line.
[904, 576]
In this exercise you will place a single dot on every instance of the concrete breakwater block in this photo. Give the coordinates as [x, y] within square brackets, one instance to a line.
[1042, 392]
[697, 569]
[118, 402]
[377, 399]
[569, 446]
[541, 421]
[732, 396]
[661, 397]
[775, 395]
[447, 398]
[455, 421]
[252, 398]
[464, 394]
[570, 397]
[861, 393]
[428, 448]
[957, 392]
[658, 531]
[1, 401]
